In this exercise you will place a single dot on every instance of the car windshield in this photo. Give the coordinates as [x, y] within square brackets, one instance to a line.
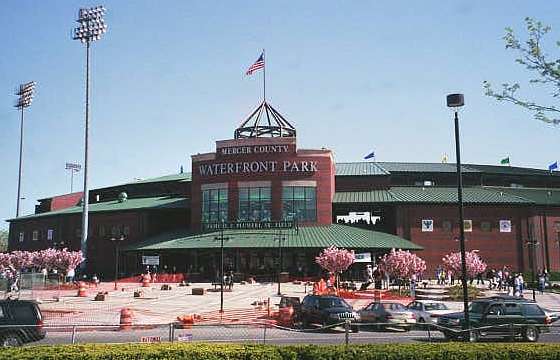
[477, 307]
[326, 303]
[435, 306]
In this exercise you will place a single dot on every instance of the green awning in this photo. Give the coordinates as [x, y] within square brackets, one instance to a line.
[305, 237]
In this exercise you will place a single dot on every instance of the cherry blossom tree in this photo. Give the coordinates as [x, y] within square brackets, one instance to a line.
[475, 265]
[16, 261]
[335, 260]
[402, 264]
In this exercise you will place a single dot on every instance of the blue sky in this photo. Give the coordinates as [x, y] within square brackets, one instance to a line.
[168, 80]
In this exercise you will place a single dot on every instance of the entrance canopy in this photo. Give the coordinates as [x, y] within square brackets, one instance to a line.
[305, 237]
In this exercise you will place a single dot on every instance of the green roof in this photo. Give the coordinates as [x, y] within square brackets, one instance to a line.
[173, 177]
[359, 168]
[386, 168]
[305, 237]
[159, 202]
[538, 196]
[430, 195]
[510, 170]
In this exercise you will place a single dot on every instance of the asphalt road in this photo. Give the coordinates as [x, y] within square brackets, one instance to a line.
[241, 334]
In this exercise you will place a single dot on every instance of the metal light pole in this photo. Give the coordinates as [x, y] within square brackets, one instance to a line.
[74, 168]
[91, 27]
[455, 101]
[221, 238]
[117, 241]
[280, 239]
[25, 93]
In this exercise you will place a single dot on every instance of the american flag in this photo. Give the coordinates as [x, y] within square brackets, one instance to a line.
[259, 64]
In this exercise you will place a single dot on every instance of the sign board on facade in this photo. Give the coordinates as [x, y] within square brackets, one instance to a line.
[249, 225]
[467, 225]
[255, 167]
[427, 225]
[255, 149]
[362, 258]
[505, 226]
[150, 260]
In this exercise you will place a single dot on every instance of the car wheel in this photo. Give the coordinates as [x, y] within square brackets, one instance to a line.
[304, 324]
[473, 336]
[531, 334]
[11, 340]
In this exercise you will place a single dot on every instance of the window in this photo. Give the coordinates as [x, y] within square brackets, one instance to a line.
[78, 232]
[35, 235]
[21, 236]
[427, 225]
[50, 234]
[557, 225]
[215, 205]
[254, 204]
[513, 309]
[486, 226]
[532, 310]
[126, 230]
[447, 226]
[1, 312]
[299, 203]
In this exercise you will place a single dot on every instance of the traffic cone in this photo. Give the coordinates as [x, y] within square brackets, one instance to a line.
[126, 319]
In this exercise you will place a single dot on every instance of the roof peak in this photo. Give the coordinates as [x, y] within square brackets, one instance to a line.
[265, 121]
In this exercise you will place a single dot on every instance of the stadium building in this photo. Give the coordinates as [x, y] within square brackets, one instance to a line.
[269, 202]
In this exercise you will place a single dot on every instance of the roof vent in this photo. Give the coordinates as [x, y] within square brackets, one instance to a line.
[123, 197]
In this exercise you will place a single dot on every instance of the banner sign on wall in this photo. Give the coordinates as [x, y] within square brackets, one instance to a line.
[467, 225]
[362, 258]
[505, 226]
[427, 225]
[150, 260]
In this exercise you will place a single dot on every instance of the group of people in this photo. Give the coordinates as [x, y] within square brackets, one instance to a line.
[376, 276]
[501, 279]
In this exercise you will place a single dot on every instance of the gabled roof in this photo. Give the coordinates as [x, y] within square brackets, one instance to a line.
[430, 195]
[359, 168]
[159, 202]
[539, 196]
[305, 237]
[173, 177]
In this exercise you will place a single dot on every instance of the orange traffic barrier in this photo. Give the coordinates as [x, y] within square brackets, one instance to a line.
[82, 289]
[126, 319]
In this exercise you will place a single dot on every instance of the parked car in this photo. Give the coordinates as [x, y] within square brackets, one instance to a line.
[388, 315]
[427, 312]
[503, 317]
[325, 310]
[14, 316]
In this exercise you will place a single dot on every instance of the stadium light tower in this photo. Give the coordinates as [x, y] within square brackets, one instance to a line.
[455, 101]
[91, 27]
[25, 93]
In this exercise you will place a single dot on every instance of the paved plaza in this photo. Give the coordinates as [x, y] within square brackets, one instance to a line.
[244, 303]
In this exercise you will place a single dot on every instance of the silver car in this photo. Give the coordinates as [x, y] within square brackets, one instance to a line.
[389, 315]
[427, 312]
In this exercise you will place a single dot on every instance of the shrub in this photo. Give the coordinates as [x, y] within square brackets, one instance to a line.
[455, 351]
[456, 292]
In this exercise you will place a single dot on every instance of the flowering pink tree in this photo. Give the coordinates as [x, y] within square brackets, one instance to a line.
[402, 264]
[62, 260]
[335, 260]
[475, 265]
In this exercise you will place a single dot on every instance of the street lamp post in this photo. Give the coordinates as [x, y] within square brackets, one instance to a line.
[280, 239]
[532, 244]
[91, 27]
[117, 241]
[455, 101]
[25, 93]
[221, 239]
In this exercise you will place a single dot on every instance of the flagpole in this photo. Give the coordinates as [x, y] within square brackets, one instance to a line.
[264, 77]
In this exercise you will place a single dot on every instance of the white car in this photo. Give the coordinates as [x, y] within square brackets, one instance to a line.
[427, 311]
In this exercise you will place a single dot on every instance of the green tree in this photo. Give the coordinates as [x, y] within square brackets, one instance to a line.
[3, 240]
[544, 71]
